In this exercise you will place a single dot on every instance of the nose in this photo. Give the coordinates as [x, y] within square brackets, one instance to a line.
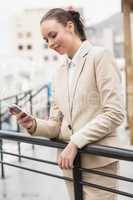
[51, 43]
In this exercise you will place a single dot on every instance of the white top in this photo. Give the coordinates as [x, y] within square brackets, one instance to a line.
[71, 63]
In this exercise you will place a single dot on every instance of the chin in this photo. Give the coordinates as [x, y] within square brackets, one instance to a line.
[61, 52]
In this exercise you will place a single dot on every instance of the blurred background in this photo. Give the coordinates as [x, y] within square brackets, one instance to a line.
[26, 64]
[25, 60]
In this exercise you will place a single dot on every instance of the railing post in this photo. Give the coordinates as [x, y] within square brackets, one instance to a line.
[31, 111]
[1, 146]
[18, 130]
[78, 188]
[48, 98]
[1, 158]
[0, 116]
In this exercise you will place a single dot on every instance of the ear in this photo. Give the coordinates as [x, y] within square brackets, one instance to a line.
[70, 26]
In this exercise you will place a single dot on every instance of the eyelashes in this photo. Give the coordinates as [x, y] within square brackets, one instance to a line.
[50, 36]
[53, 36]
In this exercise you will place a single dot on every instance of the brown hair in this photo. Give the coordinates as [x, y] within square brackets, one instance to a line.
[63, 16]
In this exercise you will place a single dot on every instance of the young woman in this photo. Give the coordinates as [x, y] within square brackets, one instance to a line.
[87, 104]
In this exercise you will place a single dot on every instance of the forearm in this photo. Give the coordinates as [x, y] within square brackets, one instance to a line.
[45, 128]
[98, 128]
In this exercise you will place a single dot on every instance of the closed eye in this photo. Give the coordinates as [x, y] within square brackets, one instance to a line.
[51, 35]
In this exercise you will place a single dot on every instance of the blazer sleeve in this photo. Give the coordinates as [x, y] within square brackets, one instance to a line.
[50, 128]
[108, 81]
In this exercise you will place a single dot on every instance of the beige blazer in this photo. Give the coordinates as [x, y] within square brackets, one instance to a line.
[94, 108]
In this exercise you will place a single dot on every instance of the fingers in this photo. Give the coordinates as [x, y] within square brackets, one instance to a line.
[24, 120]
[67, 156]
[65, 163]
[21, 115]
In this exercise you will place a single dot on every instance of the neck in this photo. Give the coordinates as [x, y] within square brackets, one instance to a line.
[75, 46]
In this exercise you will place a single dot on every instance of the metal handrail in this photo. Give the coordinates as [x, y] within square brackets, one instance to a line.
[23, 93]
[18, 97]
[99, 150]
[13, 96]
[22, 99]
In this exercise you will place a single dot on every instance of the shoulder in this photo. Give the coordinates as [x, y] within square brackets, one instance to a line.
[98, 53]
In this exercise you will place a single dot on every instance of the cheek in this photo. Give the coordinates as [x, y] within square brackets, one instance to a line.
[60, 40]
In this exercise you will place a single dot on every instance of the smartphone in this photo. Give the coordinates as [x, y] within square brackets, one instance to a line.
[15, 109]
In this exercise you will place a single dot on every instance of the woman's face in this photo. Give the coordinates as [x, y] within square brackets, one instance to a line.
[58, 37]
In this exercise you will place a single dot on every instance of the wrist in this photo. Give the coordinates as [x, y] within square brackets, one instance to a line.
[73, 145]
[32, 129]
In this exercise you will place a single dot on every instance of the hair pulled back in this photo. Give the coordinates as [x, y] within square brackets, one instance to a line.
[63, 16]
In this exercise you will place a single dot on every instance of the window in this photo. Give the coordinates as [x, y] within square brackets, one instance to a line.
[46, 58]
[20, 35]
[29, 47]
[20, 47]
[45, 45]
[28, 34]
[55, 58]
[118, 50]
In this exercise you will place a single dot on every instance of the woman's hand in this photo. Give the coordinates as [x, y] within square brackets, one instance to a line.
[66, 158]
[26, 121]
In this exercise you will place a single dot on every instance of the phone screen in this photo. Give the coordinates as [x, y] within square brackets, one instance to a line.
[15, 109]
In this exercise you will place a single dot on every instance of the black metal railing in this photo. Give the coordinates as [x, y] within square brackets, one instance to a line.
[36, 102]
[78, 183]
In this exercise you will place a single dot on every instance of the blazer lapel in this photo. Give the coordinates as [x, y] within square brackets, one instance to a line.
[79, 67]
[65, 89]
[69, 96]
[80, 63]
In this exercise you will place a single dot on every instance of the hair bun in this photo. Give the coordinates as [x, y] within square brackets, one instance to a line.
[74, 14]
